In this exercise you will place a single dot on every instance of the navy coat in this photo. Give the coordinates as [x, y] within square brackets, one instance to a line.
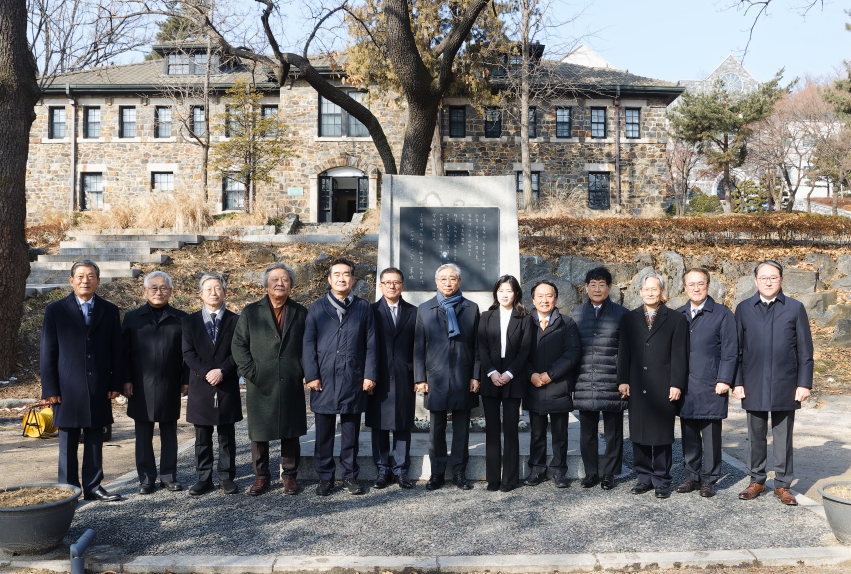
[209, 405]
[775, 354]
[81, 364]
[153, 363]
[517, 345]
[555, 351]
[391, 405]
[651, 362]
[596, 387]
[713, 358]
[341, 354]
[447, 365]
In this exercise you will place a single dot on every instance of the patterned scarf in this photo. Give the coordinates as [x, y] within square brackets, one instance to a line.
[448, 305]
[211, 325]
[650, 316]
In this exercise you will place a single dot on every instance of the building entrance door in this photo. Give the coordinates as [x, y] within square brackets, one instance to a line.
[341, 197]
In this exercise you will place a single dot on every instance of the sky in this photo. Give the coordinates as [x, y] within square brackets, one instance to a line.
[687, 39]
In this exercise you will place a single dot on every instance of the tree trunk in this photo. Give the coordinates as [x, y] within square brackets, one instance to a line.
[422, 115]
[205, 148]
[525, 155]
[835, 197]
[18, 95]
[437, 167]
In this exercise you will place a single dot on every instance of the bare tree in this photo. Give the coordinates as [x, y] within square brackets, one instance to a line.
[759, 8]
[682, 158]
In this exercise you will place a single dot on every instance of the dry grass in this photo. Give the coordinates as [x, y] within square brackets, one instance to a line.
[180, 211]
[32, 496]
[840, 490]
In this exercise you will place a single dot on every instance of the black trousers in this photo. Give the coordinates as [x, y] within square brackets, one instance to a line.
[782, 426]
[652, 463]
[323, 454]
[702, 449]
[290, 457]
[538, 442]
[498, 459]
[146, 460]
[611, 462]
[226, 469]
[69, 442]
[401, 447]
[437, 451]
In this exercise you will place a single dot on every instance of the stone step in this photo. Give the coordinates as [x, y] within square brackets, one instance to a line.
[111, 243]
[308, 238]
[43, 288]
[66, 265]
[158, 258]
[128, 253]
[37, 276]
[185, 238]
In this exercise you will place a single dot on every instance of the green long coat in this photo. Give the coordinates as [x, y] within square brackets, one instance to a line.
[271, 365]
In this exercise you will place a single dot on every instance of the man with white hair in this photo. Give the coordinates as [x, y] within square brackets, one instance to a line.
[155, 377]
[446, 368]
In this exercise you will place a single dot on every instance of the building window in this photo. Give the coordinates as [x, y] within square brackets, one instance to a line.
[162, 122]
[270, 112]
[91, 129]
[56, 123]
[457, 173]
[234, 193]
[92, 191]
[162, 181]
[177, 64]
[330, 119]
[536, 182]
[200, 63]
[199, 123]
[356, 128]
[127, 127]
[633, 118]
[533, 122]
[809, 141]
[563, 127]
[598, 122]
[598, 190]
[493, 123]
[458, 121]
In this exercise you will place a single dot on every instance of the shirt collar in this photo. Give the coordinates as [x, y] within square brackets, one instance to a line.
[80, 302]
[768, 301]
[699, 307]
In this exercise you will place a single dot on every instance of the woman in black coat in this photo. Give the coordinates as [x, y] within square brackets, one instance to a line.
[505, 335]
[652, 372]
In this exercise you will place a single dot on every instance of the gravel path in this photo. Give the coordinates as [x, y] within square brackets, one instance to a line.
[447, 522]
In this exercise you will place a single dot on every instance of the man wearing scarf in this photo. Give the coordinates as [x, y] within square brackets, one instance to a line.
[340, 367]
[446, 368]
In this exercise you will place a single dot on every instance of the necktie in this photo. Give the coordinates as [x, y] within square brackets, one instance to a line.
[693, 312]
[213, 326]
[393, 314]
[86, 308]
[544, 324]
[597, 311]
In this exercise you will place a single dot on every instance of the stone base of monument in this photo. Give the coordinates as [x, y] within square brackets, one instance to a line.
[421, 465]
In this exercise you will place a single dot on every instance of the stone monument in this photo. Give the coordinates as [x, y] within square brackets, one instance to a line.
[427, 221]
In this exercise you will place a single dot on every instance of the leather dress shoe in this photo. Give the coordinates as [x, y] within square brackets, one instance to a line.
[608, 482]
[172, 486]
[200, 488]
[102, 495]
[786, 496]
[403, 481]
[641, 488]
[752, 491]
[560, 480]
[535, 478]
[461, 482]
[229, 487]
[260, 486]
[590, 480]
[688, 485]
[493, 487]
[353, 486]
[325, 487]
[707, 490]
[383, 481]
[290, 485]
[662, 492]
[435, 482]
[507, 487]
[147, 488]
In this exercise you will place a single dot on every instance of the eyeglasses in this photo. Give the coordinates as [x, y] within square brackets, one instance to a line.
[161, 289]
[698, 285]
[392, 283]
[767, 280]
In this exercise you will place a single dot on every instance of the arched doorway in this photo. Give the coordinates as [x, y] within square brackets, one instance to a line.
[343, 191]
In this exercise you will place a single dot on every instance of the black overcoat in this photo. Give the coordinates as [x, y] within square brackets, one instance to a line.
[153, 363]
[596, 387]
[651, 362]
[391, 405]
[775, 354]
[447, 365]
[713, 357]
[81, 364]
[555, 351]
[209, 405]
[341, 354]
[271, 364]
[517, 345]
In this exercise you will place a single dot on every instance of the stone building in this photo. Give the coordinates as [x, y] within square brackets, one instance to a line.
[125, 131]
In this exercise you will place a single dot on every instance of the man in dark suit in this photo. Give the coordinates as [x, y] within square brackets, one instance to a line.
[340, 365]
[446, 368]
[775, 374]
[390, 407]
[214, 399]
[713, 356]
[155, 378]
[81, 372]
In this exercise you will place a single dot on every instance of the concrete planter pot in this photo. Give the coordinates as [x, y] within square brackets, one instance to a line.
[37, 529]
[838, 511]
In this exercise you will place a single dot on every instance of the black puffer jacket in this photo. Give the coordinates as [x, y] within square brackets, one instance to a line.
[596, 386]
